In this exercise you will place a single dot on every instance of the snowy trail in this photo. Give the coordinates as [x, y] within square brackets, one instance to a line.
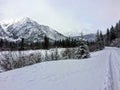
[115, 69]
[100, 72]
[112, 81]
[111, 73]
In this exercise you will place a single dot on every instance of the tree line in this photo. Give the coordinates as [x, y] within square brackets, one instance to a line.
[45, 44]
[112, 33]
[110, 38]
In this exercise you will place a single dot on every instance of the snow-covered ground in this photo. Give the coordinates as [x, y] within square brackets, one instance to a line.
[100, 72]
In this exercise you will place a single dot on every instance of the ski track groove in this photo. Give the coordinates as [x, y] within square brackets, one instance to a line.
[113, 72]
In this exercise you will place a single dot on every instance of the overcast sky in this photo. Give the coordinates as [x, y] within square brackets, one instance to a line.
[65, 15]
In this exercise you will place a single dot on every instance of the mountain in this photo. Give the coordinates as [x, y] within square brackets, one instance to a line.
[2, 32]
[88, 37]
[30, 30]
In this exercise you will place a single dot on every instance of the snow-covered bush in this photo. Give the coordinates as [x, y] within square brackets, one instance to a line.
[12, 60]
[32, 59]
[54, 55]
[47, 56]
[57, 56]
[76, 53]
[8, 60]
[68, 53]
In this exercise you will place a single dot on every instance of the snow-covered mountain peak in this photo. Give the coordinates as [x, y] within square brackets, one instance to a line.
[24, 20]
[30, 30]
[17, 20]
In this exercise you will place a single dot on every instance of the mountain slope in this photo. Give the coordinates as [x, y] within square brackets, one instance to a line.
[88, 37]
[2, 32]
[100, 72]
[31, 31]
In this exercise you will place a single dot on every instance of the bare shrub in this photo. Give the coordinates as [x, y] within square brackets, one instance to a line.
[68, 53]
[12, 60]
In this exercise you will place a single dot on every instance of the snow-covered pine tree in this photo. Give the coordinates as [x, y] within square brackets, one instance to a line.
[82, 51]
[100, 40]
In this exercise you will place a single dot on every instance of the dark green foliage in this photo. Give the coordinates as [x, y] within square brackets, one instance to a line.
[112, 34]
[1, 43]
[22, 44]
[107, 43]
[99, 40]
[46, 43]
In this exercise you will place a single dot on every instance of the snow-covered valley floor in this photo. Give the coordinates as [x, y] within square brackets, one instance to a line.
[100, 72]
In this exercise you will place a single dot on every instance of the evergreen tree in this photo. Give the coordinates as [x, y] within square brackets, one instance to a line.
[108, 37]
[101, 40]
[46, 42]
[1, 43]
[117, 30]
[98, 40]
[112, 34]
[22, 44]
[82, 51]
